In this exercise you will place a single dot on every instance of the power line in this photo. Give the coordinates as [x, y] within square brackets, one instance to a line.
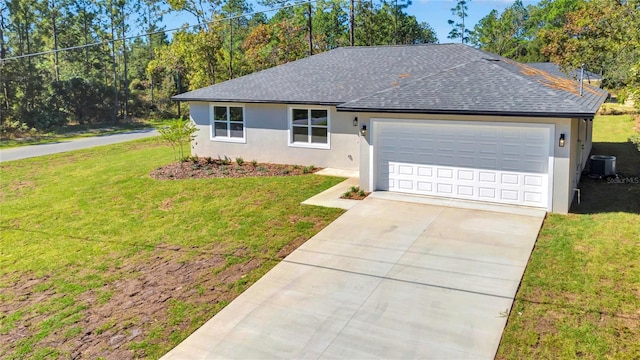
[155, 32]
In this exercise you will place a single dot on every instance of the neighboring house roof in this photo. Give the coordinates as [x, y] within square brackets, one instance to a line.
[434, 78]
[555, 69]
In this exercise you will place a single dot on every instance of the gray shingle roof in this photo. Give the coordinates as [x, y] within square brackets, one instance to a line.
[449, 78]
[556, 70]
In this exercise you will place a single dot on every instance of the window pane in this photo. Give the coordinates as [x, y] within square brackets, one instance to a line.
[300, 117]
[319, 135]
[319, 117]
[220, 113]
[236, 130]
[300, 134]
[220, 129]
[235, 114]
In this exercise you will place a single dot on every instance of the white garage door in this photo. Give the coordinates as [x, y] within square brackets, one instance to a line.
[496, 162]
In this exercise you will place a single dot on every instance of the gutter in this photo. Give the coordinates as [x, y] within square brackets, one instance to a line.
[467, 112]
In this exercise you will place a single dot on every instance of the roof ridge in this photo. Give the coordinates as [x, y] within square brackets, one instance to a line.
[396, 46]
[407, 83]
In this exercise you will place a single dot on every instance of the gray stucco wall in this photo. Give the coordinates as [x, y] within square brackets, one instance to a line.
[267, 138]
[267, 141]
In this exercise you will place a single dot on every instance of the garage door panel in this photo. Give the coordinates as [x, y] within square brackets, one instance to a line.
[466, 161]
[534, 198]
[511, 164]
[499, 163]
[444, 173]
[511, 149]
[425, 187]
[464, 190]
[509, 195]
[488, 163]
[487, 177]
[488, 148]
[466, 175]
[510, 179]
[425, 171]
[530, 180]
[487, 194]
[444, 189]
[535, 166]
[405, 169]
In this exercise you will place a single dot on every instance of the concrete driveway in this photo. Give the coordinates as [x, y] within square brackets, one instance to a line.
[388, 279]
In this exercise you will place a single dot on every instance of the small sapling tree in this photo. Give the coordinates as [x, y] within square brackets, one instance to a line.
[178, 133]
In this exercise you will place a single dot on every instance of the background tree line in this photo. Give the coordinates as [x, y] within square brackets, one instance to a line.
[104, 73]
[604, 35]
[94, 68]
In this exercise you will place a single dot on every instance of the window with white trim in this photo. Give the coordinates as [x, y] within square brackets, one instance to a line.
[309, 127]
[227, 123]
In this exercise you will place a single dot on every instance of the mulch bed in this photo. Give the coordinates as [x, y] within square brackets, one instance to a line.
[203, 168]
[355, 193]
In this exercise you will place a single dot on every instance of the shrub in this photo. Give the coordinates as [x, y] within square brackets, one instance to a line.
[254, 163]
[239, 161]
[636, 140]
[225, 161]
[622, 94]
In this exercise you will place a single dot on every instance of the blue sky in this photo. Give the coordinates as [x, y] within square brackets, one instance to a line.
[437, 12]
[434, 12]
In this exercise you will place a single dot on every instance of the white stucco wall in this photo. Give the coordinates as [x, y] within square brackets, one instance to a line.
[267, 138]
[563, 173]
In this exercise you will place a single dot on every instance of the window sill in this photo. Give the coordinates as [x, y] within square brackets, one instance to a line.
[229, 140]
[310, 146]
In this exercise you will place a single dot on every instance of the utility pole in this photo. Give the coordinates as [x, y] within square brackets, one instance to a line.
[310, 28]
[395, 25]
[351, 23]
[54, 15]
[124, 58]
[231, 48]
[115, 67]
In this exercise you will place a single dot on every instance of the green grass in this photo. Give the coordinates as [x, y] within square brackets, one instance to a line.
[580, 294]
[74, 223]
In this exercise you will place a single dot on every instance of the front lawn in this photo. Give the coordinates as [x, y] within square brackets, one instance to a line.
[580, 295]
[98, 259]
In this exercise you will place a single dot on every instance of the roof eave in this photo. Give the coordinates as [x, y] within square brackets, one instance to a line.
[469, 112]
[254, 101]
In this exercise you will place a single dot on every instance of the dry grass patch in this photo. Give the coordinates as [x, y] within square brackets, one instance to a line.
[99, 260]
